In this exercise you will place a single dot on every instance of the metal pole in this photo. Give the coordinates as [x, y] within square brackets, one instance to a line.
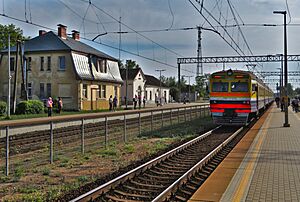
[170, 116]
[178, 115]
[162, 118]
[140, 124]
[82, 136]
[125, 136]
[160, 70]
[9, 79]
[126, 88]
[7, 152]
[106, 132]
[179, 86]
[51, 142]
[286, 124]
[151, 121]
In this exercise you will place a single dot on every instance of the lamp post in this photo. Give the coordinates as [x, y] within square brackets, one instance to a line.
[160, 70]
[280, 85]
[189, 86]
[9, 78]
[286, 115]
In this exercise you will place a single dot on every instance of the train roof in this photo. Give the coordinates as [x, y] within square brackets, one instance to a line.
[252, 75]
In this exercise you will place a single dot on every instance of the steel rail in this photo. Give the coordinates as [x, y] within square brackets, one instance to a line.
[173, 187]
[113, 183]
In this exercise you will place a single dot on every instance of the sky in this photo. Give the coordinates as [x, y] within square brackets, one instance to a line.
[102, 16]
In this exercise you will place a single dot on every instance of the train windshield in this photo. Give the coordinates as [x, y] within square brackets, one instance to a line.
[239, 87]
[220, 87]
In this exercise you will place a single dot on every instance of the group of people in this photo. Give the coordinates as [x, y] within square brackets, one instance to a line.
[50, 104]
[281, 103]
[295, 104]
[138, 100]
[113, 103]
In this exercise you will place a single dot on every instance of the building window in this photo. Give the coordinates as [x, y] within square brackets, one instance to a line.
[102, 66]
[42, 63]
[62, 63]
[42, 90]
[29, 89]
[29, 64]
[84, 91]
[103, 91]
[150, 95]
[98, 94]
[12, 64]
[116, 90]
[49, 63]
[146, 94]
[48, 89]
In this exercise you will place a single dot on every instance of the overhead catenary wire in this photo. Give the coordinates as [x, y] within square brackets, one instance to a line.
[106, 13]
[116, 48]
[171, 14]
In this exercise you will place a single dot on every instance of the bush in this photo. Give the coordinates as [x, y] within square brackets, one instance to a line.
[2, 108]
[30, 107]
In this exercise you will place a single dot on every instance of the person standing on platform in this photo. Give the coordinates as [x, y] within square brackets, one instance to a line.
[115, 103]
[60, 105]
[110, 102]
[49, 106]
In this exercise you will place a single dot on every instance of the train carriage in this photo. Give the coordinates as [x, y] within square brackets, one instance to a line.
[236, 96]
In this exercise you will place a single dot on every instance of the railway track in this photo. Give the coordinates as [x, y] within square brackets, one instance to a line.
[168, 175]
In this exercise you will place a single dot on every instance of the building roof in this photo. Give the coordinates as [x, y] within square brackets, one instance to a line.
[131, 73]
[152, 81]
[52, 42]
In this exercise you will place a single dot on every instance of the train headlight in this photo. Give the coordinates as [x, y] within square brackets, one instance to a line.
[229, 72]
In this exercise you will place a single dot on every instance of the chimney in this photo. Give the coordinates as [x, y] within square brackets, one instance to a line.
[75, 35]
[62, 31]
[42, 32]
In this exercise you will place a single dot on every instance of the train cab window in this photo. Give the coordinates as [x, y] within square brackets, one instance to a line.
[220, 87]
[239, 87]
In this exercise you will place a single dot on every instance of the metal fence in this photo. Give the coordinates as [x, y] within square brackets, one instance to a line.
[58, 137]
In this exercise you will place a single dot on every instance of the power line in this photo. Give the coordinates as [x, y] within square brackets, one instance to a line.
[171, 14]
[106, 13]
[288, 9]
[123, 50]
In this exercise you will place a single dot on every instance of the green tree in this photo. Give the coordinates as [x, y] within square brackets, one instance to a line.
[15, 34]
[297, 91]
[290, 90]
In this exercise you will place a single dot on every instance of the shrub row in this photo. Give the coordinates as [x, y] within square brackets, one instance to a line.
[2, 108]
[30, 107]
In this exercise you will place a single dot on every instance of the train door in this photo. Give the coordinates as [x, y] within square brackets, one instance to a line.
[255, 88]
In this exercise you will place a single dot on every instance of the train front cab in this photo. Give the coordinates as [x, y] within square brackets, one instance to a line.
[231, 97]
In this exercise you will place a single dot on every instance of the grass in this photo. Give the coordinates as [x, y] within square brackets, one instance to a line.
[129, 148]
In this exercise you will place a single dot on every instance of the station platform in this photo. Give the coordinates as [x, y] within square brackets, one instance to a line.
[264, 165]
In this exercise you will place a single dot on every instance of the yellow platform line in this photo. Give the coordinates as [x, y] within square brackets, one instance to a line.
[244, 182]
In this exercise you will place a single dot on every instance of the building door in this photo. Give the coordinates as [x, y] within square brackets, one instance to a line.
[94, 98]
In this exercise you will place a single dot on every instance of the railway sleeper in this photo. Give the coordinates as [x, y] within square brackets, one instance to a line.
[185, 192]
[166, 178]
[166, 166]
[178, 165]
[125, 195]
[174, 171]
[166, 173]
[114, 198]
[143, 185]
[150, 181]
[180, 198]
[129, 187]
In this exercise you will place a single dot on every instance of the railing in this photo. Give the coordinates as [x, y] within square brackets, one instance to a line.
[91, 131]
